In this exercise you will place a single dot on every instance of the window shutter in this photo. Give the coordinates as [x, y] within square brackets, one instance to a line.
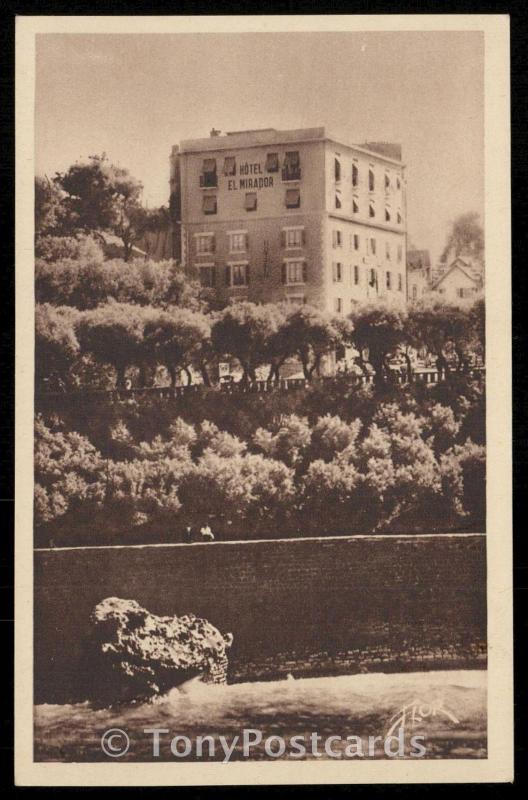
[229, 165]
[213, 276]
[246, 241]
[283, 268]
[305, 272]
[228, 276]
[303, 237]
[247, 274]
[272, 162]
[283, 238]
[213, 244]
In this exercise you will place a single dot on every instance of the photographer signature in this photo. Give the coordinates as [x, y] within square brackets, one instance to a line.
[416, 712]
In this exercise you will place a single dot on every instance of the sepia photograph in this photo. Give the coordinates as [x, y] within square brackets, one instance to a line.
[258, 282]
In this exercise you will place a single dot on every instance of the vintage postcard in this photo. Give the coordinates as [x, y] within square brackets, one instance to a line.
[263, 527]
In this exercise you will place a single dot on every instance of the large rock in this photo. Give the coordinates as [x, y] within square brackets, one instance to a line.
[142, 655]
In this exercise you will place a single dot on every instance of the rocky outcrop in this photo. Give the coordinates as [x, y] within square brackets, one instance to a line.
[142, 655]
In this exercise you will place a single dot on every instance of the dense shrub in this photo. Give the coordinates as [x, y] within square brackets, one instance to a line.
[398, 469]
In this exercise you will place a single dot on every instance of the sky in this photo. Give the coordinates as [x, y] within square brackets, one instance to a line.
[134, 96]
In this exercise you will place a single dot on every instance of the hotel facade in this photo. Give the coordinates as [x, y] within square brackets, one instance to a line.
[293, 216]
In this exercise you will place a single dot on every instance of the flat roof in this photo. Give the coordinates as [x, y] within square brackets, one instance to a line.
[271, 136]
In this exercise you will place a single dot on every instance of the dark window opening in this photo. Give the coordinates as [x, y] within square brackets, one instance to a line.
[251, 201]
[208, 176]
[291, 169]
[207, 276]
[272, 162]
[293, 198]
[209, 204]
[229, 165]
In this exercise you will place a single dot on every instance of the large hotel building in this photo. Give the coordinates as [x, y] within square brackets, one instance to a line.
[294, 215]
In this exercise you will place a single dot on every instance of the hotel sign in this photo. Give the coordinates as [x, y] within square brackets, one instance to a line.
[251, 176]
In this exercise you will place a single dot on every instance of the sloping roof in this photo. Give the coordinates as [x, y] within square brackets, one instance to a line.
[460, 264]
[418, 259]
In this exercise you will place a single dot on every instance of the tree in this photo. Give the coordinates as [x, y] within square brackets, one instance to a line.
[81, 247]
[313, 334]
[175, 338]
[379, 328]
[244, 330]
[466, 238]
[288, 441]
[85, 281]
[113, 334]
[104, 197]
[50, 208]
[441, 326]
[56, 344]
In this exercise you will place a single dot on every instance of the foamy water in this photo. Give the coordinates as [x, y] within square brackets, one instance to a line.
[453, 704]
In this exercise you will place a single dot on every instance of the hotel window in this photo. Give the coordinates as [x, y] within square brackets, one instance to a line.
[465, 292]
[250, 203]
[207, 276]
[337, 271]
[387, 182]
[414, 292]
[399, 218]
[208, 176]
[338, 305]
[356, 274]
[272, 162]
[337, 170]
[337, 201]
[296, 299]
[388, 280]
[204, 243]
[372, 210]
[293, 198]
[371, 180]
[387, 215]
[229, 165]
[355, 175]
[237, 274]
[373, 278]
[400, 252]
[356, 241]
[209, 204]
[291, 168]
[398, 183]
[373, 246]
[400, 282]
[387, 251]
[293, 238]
[238, 242]
[294, 272]
[355, 205]
[337, 238]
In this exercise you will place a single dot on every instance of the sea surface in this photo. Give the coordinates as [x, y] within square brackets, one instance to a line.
[447, 709]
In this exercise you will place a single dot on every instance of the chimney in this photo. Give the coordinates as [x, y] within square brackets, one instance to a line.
[214, 132]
